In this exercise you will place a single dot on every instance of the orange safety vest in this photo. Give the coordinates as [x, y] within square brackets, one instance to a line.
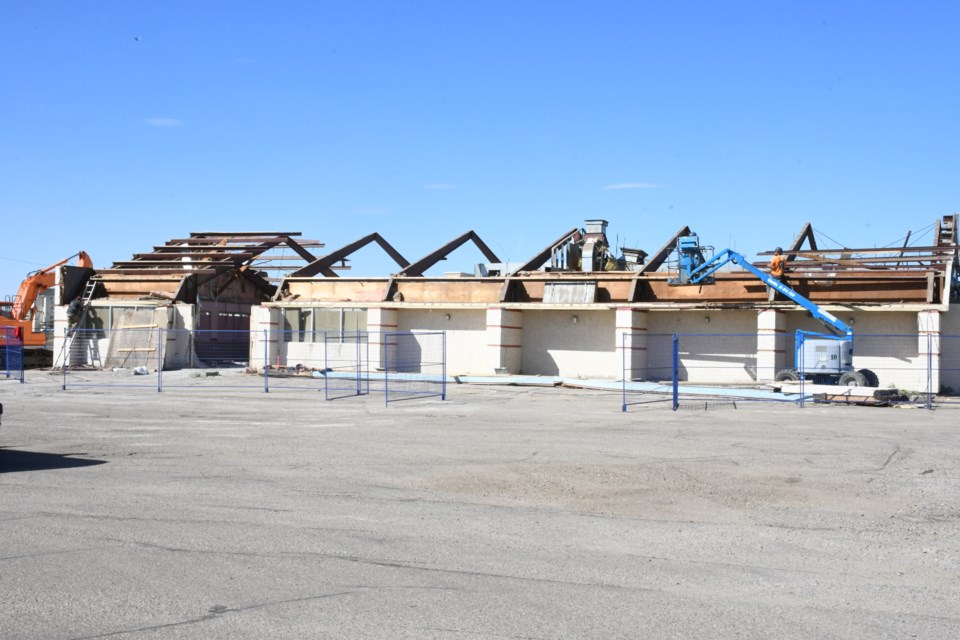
[776, 266]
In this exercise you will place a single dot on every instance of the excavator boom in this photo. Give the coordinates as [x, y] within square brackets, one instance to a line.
[27, 319]
[39, 281]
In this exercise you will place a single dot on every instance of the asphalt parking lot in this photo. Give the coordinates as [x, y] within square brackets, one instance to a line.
[502, 512]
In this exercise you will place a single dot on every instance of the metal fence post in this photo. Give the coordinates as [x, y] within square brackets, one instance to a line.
[160, 343]
[266, 360]
[359, 384]
[326, 365]
[386, 370]
[443, 368]
[66, 357]
[623, 372]
[366, 362]
[22, 356]
[800, 346]
[676, 371]
[930, 372]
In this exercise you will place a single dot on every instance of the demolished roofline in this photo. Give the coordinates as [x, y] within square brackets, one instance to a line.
[325, 263]
[423, 264]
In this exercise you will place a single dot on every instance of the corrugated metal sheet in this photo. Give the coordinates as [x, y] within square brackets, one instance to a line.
[570, 292]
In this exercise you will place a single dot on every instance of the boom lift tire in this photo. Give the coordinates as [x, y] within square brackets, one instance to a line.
[787, 375]
[852, 379]
[870, 377]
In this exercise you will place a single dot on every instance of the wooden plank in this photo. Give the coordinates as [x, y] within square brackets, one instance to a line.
[827, 252]
[219, 234]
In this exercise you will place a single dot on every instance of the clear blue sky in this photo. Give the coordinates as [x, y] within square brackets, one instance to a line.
[125, 124]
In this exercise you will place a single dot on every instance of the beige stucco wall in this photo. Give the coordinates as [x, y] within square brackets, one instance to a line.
[885, 342]
[950, 351]
[705, 356]
[466, 336]
[553, 344]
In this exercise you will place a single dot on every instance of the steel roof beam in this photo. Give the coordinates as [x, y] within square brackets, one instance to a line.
[541, 258]
[420, 266]
[657, 259]
[324, 264]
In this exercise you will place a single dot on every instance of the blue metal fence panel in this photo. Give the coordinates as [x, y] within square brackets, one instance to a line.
[11, 354]
[346, 370]
[647, 368]
[207, 358]
[948, 346]
[294, 360]
[334, 362]
[414, 365]
[655, 368]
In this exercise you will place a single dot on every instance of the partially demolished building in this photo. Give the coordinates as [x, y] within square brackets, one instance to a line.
[200, 288]
[579, 308]
[575, 311]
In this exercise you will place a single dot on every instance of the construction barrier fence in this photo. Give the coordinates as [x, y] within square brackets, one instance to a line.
[415, 365]
[694, 370]
[702, 370]
[399, 365]
[11, 354]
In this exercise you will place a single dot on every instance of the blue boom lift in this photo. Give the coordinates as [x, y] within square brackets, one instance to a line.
[822, 358]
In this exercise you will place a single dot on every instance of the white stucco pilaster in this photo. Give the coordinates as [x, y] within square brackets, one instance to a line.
[631, 341]
[928, 335]
[380, 323]
[504, 340]
[266, 336]
[771, 343]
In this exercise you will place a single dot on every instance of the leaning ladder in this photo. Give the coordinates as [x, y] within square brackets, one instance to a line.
[88, 292]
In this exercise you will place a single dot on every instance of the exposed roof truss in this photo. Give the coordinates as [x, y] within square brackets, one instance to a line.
[419, 267]
[324, 265]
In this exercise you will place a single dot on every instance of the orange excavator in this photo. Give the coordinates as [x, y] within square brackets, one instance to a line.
[30, 323]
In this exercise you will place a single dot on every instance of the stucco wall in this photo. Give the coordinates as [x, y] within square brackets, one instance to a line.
[714, 345]
[346, 353]
[553, 344]
[950, 351]
[466, 338]
[717, 345]
[887, 343]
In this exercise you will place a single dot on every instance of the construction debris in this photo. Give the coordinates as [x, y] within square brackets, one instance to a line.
[879, 398]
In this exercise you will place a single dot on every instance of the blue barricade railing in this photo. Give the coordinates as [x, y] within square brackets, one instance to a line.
[723, 368]
[340, 364]
[414, 365]
[11, 354]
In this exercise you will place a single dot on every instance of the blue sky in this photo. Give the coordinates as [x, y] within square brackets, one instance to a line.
[125, 124]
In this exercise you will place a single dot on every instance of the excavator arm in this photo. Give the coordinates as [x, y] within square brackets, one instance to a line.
[39, 281]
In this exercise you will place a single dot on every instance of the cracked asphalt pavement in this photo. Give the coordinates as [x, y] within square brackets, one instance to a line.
[502, 512]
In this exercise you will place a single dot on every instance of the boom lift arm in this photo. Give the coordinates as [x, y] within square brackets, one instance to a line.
[704, 272]
[820, 357]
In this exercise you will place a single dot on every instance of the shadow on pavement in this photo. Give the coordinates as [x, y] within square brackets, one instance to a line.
[12, 460]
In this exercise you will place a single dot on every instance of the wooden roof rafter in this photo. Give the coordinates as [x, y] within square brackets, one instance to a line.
[220, 251]
[206, 256]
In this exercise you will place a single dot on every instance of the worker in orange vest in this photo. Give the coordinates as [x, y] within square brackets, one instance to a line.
[777, 263]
